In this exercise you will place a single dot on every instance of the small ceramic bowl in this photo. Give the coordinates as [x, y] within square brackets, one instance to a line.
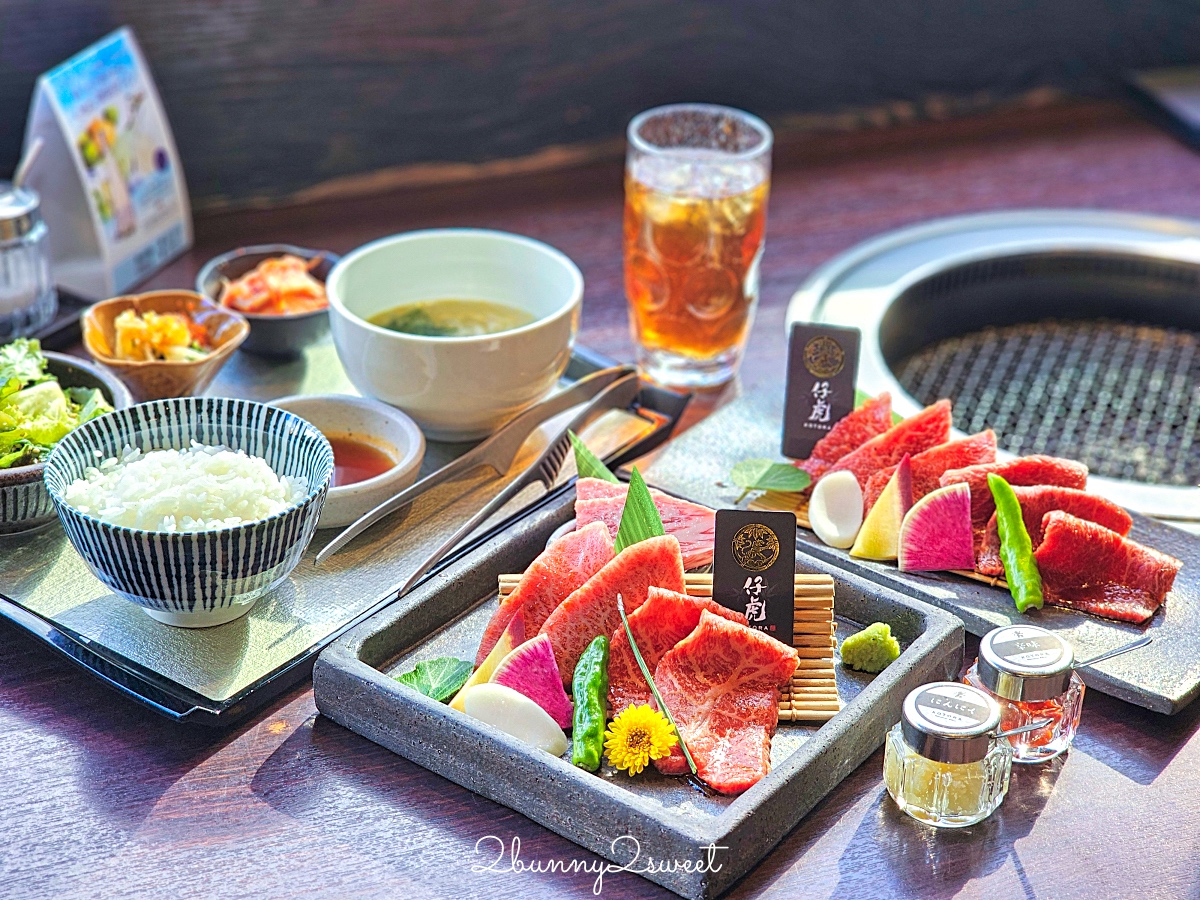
[24, 503]
[163, 379]
[198, 578]
[369, 422]
[456, 388]
[270, 335]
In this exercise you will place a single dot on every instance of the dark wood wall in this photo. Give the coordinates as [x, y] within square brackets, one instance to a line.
[269, 98]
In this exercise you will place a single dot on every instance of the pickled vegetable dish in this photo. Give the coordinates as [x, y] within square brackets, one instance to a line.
[151, 336]
[279, 286]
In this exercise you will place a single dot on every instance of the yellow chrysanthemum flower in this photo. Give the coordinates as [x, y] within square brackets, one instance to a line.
[636, 736]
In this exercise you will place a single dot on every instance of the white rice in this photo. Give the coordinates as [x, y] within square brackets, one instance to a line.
[199, 489]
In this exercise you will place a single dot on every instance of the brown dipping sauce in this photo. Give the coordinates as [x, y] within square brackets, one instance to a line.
[355, 461]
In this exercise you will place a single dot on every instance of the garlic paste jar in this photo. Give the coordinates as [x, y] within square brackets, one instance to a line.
[1030, 671]
[942, 762]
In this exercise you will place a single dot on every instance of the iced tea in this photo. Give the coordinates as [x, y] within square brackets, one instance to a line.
[694, 223]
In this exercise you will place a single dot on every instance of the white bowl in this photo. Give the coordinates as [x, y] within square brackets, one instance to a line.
[457, 389]
[370, 422]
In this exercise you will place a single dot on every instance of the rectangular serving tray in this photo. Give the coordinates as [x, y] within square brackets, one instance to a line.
[1163, 677]
[217, 676]
[354, 685]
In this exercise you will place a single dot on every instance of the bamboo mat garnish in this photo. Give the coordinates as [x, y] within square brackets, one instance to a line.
[812, 695]
[778, 501]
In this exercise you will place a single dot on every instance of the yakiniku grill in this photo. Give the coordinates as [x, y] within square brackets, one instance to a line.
[1070, 332]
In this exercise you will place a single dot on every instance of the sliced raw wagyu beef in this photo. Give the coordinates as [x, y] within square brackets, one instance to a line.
[929, 466]
[871, 419]
[660, 623]
[1086, 566]
[591, 610]
[692, 524]
[916, 434]
[1025, 470]
[722, 685]
[1040, 499]
[562, 567]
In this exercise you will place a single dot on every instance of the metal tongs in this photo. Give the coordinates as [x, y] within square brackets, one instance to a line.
[500, 451]
[544, 470]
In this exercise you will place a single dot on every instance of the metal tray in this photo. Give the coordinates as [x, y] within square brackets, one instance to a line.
[1164, 677]
[669, 820]
[216, 676]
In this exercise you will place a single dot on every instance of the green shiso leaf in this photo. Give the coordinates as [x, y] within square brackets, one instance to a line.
[588, 464]
[639, 519]
[439, 678]
[637, 654]
[764, 475]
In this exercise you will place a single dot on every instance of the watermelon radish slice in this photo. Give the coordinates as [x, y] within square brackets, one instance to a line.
[532, 670]
[879, 537]
[936, 534]
[512, 637]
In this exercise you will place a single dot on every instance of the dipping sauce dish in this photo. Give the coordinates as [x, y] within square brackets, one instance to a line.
[381, 431]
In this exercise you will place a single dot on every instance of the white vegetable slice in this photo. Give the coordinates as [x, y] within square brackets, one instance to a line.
[515, 714]
[835, 509]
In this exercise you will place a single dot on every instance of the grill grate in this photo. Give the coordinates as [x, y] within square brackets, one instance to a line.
[1122, 398]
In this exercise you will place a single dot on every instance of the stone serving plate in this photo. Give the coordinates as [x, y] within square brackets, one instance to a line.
[607, 812]
[1163, 677]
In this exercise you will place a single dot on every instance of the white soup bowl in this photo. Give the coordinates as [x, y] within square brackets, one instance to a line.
[456, 388]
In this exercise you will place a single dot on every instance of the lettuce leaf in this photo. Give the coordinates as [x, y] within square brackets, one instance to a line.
[90, 402]
[35, 412]
[22, 360]
[22, 453]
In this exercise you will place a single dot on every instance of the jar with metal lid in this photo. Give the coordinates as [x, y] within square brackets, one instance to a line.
[1031, 673]
[28, 301]
[942, 762]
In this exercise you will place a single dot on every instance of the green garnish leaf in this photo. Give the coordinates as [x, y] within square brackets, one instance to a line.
[764, 475]
[588, 464]
[861, 397]
[639, 519]
[662, 707]
[439, 678]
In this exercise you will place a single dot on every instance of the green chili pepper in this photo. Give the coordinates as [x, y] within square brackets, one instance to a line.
[590, 687]
[1016, 549]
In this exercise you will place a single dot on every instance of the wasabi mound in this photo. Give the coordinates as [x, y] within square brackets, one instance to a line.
[871, 650]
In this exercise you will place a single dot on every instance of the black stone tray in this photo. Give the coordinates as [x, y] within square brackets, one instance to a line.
[606, 813]
[1163, 677]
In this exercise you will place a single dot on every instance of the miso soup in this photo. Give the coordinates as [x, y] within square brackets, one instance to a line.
[452, 318]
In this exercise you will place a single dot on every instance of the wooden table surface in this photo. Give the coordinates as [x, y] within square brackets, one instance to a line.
[101, 798]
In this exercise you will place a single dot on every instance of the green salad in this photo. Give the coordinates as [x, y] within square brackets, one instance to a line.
[35, 411]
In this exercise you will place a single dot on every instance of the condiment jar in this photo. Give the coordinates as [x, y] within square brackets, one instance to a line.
[942, 763]
[1030, 671]
[28, 300]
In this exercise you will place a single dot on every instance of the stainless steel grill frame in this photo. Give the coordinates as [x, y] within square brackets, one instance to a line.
[1074, 332]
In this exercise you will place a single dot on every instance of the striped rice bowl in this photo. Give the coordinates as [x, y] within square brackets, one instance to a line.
[200, 573]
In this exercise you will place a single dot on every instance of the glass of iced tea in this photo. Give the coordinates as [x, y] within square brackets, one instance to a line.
[696, 181]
